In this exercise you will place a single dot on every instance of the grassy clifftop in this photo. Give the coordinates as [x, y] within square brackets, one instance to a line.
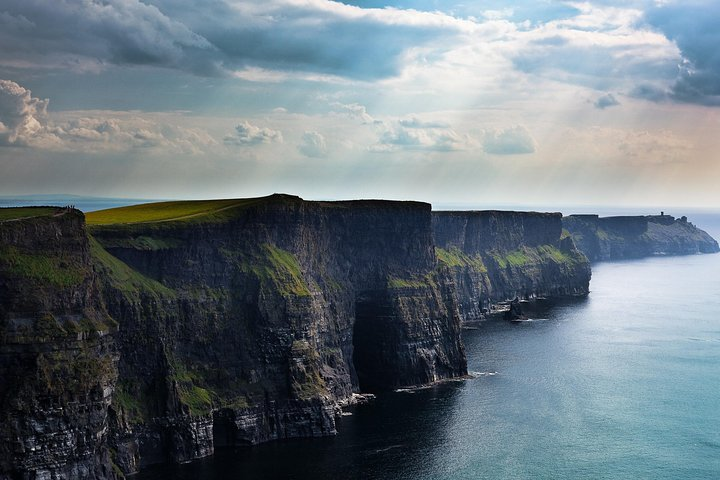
[16, 213]
[175, 211]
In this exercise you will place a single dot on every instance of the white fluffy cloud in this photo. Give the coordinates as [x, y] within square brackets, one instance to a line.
[24, 122]
[247, 134]
[313, 145]
[511, 141]
[414, 134]
[22, 116]
[353, 110]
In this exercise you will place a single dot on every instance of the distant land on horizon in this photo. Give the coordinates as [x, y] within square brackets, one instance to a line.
[89, 203]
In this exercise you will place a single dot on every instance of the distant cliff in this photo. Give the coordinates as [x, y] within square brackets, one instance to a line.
[499, 255]
[613, 238]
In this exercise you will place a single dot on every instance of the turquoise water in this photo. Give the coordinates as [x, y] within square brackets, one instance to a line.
[622, 384]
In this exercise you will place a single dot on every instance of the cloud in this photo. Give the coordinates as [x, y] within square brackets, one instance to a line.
[257, 40]
[247, 134]
[693, 26]
[313, 145]
[22, 116]
[420, 136]
[25, 122]
[650, 92]
[511, 141]
[124, 132]
[606, 101]
[414, 122]
[82, 34]
[354, 110]
[602, 46]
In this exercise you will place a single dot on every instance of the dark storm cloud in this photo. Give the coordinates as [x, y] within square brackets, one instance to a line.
[693, 26]
[596, 66]
[87, 34]
[214, 37]
[325, 37]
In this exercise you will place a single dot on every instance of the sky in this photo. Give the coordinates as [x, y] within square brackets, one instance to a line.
[484, 102]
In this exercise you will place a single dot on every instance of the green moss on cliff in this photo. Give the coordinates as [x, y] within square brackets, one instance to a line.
[518, 258]
[47, 326]
[131, 401]
[457, 258]
[123, 277]
[59, 269]
[418, 282]
[279, 268]
[525, 256]
[306, 381]
[199, 400]
[142, 242]
[73, 373]
[558, 256]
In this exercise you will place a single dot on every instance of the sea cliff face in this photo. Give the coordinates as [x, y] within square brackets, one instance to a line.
[256, 325]
[614, 238]
[496, 256]
[144, 339]
[57, 353]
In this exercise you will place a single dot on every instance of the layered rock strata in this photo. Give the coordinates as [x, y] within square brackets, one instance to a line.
[497, 256]
[57, 353]
[250, 324]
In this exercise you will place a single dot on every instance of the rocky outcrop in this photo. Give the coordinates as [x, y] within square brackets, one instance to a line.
[57, 353]
[497, 256]
[255, 326]
[614, 238]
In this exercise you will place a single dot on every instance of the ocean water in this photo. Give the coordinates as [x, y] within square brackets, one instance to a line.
[622, 384]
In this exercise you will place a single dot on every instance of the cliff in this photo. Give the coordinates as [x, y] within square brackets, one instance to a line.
[496, 256]
[159, 332]
[613, 238]
[57, 353]
[240, 322]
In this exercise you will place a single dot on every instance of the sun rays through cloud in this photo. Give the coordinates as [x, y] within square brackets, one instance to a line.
[547, 102]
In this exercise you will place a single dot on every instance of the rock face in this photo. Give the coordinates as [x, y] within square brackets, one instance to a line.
[57, 353]
[254, 326]
[613, 238]
[496, 256]
[128, 344]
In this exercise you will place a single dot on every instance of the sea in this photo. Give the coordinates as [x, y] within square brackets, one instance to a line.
[624, 383]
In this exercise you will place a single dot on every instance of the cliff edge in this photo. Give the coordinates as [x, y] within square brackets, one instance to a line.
[497, 256]
[253, 320]
[614, 238]
[58, 361]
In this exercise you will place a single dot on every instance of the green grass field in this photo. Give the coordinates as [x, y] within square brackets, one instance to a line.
[184, 210]
[13, 213]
